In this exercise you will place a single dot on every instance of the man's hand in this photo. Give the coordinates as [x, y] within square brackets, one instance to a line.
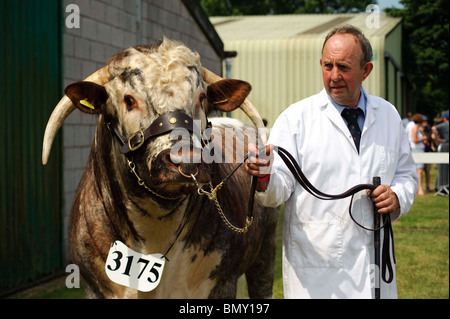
[259, 166]
[385, 199]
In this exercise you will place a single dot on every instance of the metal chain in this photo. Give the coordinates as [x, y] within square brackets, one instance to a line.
[244, 229]
[213, 196]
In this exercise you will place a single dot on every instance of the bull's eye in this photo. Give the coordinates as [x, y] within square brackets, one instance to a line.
[130, 102]
[201, 98]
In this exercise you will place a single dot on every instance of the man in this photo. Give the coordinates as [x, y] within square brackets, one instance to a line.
[325, 254]
[407, 119]
[440, 131]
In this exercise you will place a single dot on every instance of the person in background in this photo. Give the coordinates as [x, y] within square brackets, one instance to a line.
[441, 137]
[429, 147]
[417, 141]
[407, 119]
[440, 130]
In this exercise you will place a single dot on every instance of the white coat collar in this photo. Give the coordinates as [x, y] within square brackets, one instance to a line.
[336, 118]
[372, 105]
[331, 112]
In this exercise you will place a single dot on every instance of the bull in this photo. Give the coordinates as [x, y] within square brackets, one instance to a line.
[136, 191]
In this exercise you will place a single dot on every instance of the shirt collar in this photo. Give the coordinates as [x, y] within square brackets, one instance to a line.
[362, 103]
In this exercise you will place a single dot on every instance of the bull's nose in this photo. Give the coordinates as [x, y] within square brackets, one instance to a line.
[186, 164]
[172, 170]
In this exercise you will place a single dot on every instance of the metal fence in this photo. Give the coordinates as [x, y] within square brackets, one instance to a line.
[442, 178]
[30, 194]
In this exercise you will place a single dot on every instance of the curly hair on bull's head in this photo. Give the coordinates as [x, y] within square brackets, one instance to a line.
[158, 74]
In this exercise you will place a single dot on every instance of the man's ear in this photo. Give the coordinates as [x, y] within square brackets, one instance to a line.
[368, 67]
[226, 95]
[88, 97]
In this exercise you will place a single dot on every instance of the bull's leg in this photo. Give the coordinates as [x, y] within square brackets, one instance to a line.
[260, 274]
[224, 289]
[90, 292]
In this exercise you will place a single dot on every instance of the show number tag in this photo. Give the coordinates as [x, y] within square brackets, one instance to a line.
[128, 268]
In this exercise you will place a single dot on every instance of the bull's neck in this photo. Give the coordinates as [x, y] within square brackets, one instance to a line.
[107, 178]
[150, 225]
[159, 228]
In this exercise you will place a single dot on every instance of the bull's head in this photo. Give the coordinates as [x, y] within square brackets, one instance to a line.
[132, 96]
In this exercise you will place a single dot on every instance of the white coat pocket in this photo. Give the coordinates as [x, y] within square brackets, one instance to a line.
[317, 244]
[390, 164]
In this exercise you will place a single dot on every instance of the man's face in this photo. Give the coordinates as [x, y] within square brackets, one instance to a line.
[341, 69]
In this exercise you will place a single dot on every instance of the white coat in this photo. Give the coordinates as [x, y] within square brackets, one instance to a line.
[325, 254]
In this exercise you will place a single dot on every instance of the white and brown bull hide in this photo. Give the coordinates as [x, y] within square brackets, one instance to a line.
[207, 257]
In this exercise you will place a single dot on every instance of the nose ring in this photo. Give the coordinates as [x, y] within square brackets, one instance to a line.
[188, 176]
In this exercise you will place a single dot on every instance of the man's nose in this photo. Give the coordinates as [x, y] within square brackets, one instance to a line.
[335, 74]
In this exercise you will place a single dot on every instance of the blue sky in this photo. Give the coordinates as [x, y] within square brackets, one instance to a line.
[389, 3]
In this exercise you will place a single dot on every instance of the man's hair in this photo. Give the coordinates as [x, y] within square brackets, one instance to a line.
[364, 43]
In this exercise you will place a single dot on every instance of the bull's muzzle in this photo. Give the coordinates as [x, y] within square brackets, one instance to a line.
[180, 167]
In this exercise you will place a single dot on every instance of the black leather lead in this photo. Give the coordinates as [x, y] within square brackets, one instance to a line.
[300, 177]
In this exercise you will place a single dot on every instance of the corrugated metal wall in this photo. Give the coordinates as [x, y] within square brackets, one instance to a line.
[393, 71]
[279, 56]
[284, 71]
[30, 194]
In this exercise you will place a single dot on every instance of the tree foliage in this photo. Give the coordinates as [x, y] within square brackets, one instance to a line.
[426, 51]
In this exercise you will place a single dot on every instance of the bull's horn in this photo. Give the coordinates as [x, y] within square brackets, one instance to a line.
[248, 108]
[63, 110]
[210, 77]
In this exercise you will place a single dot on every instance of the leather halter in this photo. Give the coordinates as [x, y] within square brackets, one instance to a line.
[164, 124]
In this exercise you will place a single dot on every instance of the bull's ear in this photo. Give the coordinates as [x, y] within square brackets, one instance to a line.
[227, 94]
[88, 97]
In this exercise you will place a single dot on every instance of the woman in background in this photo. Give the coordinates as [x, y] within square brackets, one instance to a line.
[418, 141]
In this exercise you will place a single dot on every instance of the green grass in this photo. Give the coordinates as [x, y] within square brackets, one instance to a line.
[54, 289]
[421, 249]
[278, 278]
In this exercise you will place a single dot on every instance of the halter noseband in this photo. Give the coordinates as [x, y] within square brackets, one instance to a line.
[164, 124]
